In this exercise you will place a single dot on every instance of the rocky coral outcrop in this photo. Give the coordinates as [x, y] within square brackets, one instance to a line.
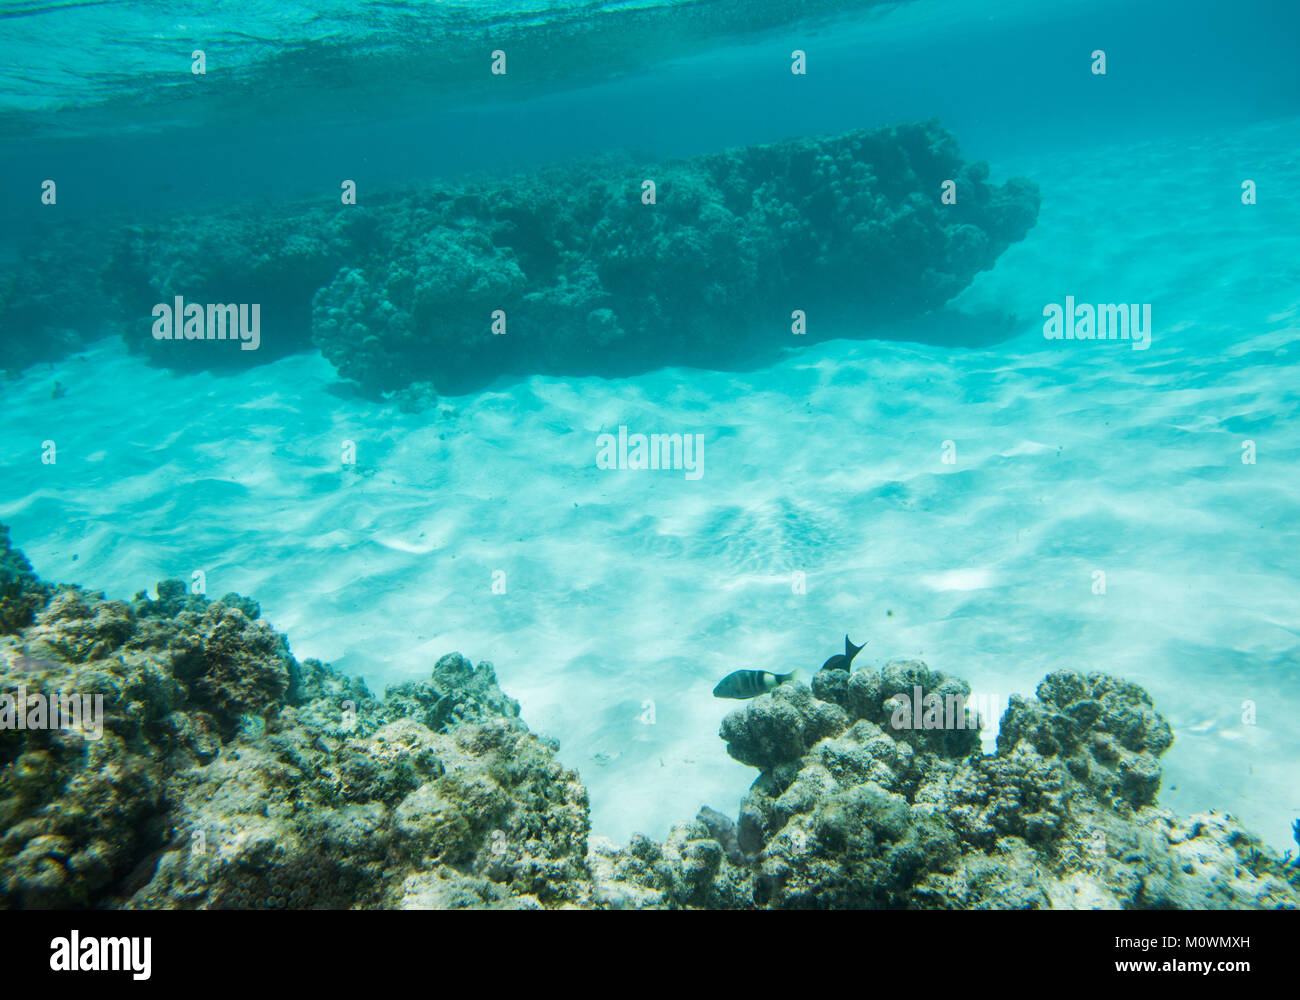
[590, 277]
[224, 773]
[569, 263]
[878, 797]
[21, 591]
[51, 302]
[274, 259]
[215, 770]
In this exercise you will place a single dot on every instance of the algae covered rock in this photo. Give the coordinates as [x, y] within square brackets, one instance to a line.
[918, 705]
[780, 729]
[564, 269]
[51, 301]
[177, 755]
[588, 276]
[697, 866]
[217, 771]
[1105, 729]
[456, 692]
[21, 592]
[274, 260]
[860, 804]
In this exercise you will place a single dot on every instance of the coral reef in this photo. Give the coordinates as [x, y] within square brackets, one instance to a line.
[226, 773]
[272, 259]
[850, 810]
[51, 303]
[21, 592]
[567, 264]
[591, 278]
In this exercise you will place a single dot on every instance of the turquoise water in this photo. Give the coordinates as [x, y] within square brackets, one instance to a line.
[630, 589]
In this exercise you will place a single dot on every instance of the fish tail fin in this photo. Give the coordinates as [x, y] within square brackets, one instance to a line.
[793, 675]
[850, 650]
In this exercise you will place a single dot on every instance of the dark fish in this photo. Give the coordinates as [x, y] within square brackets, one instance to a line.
[843, 661]
[750, 683]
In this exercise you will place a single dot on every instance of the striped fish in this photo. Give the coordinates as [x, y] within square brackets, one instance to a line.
[750, 683]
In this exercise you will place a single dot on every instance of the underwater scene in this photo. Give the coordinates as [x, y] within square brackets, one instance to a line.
[649, 454]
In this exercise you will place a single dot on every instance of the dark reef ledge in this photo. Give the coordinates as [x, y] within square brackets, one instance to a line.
[228, 774]
[403, 288]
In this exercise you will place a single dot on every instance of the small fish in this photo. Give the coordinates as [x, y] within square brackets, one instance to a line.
[750, 683]
[843, 661]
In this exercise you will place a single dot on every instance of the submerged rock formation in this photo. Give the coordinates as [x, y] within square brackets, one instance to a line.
[850, 810]
[21, 591]
[590, 277]
[219, 771]
[571, 269]
[225, 773]
[50, 299]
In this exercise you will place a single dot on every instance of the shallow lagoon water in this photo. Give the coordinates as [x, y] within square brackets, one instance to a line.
[629, 593]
